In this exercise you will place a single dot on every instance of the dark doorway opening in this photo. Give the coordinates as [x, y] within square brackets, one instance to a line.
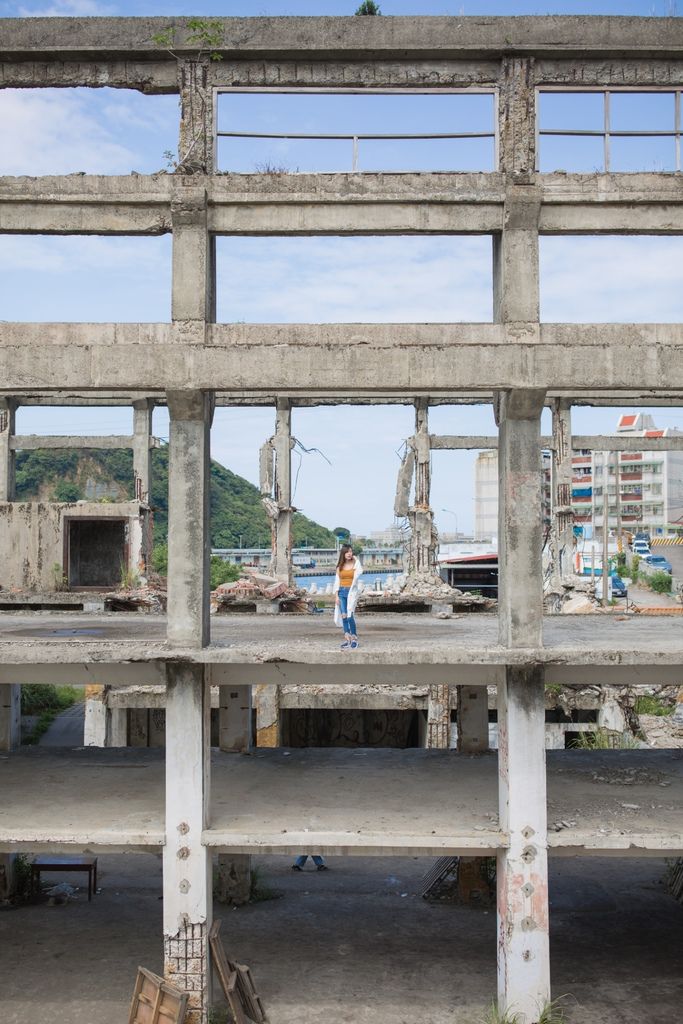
[96, 551]
[351, 727]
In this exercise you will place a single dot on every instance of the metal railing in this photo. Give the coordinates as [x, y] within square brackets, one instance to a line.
[607, 133]
[357, 138]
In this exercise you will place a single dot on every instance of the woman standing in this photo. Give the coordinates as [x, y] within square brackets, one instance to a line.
[346, 591]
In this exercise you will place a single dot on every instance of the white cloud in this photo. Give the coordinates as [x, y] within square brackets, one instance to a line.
[612, 279]
[354, 280]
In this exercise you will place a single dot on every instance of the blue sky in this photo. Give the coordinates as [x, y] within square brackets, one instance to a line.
[279, 280]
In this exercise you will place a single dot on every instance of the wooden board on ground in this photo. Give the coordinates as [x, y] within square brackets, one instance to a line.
[236, 982]
[156, 1001]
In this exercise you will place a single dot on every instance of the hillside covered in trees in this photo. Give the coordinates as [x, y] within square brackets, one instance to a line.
[237, 515]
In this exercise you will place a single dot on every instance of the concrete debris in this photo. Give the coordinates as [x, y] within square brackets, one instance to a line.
[662, 731]
[254, 587]
[427, 587]
[60, 894]
[139, 599]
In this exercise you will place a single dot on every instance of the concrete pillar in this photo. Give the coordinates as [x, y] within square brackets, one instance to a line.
[196, 140]
[473, 719]
[10, 738]
[188, 518]
[138, 727]
[516, 117]
[522, 874]
[562, 522]
[423, 537]
[235, 718]
[95, 718]
[193, 287]
[7, 455]
[439, 717]
[515, 258]
[10, 716]
[117, 727]
[142, 452]
[281, 563]
[233, 875]
[268, 726]
[186, 862]
[520, 521]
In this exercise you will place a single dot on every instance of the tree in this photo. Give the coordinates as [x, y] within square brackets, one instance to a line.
[368, 7]
[341, 533]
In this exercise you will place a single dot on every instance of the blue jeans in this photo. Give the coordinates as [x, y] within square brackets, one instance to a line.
[317, 859]
[348, 621]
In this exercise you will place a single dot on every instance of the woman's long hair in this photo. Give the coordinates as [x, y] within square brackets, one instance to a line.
[342, 551]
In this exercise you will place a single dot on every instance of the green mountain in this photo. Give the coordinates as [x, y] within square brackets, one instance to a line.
[237, 515]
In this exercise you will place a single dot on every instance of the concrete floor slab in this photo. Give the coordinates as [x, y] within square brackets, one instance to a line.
[395, 648]
[352, 802]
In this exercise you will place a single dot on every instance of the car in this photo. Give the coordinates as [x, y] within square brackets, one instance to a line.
[641, 535]
[641, 548]
[619, 588]
[659, 563]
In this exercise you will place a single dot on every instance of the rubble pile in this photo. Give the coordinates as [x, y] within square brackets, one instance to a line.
[146, 598]
[427, 587]
[255, 586]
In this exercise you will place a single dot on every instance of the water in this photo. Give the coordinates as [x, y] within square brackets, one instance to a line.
[322, 582]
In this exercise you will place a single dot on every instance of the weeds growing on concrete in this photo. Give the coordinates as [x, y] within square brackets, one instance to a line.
[649, 704]
[553, 1012]
[495, 1016]
[604, 739]
[129, 578]
[260, 891]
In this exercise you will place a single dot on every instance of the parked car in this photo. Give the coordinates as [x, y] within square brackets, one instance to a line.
[659, 563]
[641, 548]
[642, 535]
[619, 588]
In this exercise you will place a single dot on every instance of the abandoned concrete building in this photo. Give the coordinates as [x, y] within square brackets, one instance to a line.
[192, 805]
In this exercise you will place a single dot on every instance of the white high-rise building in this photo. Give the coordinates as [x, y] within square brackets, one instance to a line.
[486, 494]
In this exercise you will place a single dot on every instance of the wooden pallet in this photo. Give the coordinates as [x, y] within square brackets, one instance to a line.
[236, 982]
[156, 1001]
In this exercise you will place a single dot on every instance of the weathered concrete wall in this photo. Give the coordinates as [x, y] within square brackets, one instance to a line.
[32, 539]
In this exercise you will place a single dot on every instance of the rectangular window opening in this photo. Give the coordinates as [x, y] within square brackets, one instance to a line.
[95, 131]
[86, 279]
[307, 131]
[369, 279]
[611, 130]
[611, 279]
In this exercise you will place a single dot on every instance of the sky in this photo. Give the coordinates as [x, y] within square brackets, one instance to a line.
[351, 479]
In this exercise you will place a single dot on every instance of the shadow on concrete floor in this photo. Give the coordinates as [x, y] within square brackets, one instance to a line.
[354, 944]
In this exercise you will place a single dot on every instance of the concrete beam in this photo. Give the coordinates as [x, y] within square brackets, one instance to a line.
[388, 358]
[32, 442]
[91, 40]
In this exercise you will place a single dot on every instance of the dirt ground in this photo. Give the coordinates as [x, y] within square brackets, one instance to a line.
[354, 944]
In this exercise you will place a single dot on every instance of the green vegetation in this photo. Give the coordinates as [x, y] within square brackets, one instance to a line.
[205, 34]
[223, 572]
[46, 701]
[551, 1013]
[621, 563]
[635, 562]
[368, 7]
[660, 582]
[237, 515]
[604, 739]
[651, 705]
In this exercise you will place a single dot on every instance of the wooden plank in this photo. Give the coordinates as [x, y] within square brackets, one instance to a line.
[236, 982]
[155, 999]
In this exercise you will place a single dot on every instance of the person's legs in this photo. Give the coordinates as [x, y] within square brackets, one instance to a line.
[298, 864]
[343, 595]
[319, 862]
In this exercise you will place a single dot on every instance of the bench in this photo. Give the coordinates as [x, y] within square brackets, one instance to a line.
[88, 864]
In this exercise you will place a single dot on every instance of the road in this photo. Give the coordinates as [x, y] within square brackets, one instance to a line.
[67, 728]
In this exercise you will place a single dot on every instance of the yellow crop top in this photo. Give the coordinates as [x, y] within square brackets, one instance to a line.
[346, 576]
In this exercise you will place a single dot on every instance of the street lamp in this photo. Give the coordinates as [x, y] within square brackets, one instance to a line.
[454, 514]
